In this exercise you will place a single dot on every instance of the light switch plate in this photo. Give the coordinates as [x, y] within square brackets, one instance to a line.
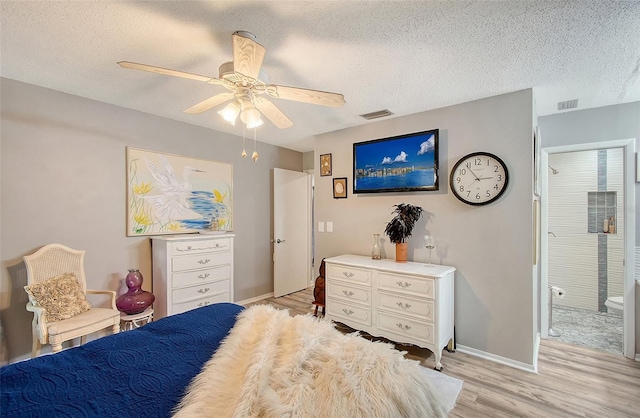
[329, 226]
[320, 226]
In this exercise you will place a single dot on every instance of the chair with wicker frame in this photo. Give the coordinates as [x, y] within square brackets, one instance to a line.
[55, 260]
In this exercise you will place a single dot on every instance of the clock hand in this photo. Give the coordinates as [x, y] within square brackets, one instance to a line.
[485, 178]
[474, 174]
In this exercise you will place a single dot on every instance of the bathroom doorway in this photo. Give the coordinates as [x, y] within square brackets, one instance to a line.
[585, 243]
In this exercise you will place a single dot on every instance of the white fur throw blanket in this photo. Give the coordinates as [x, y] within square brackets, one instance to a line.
[275, 365]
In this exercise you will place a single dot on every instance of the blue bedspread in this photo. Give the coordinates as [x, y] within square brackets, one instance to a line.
[138, 373]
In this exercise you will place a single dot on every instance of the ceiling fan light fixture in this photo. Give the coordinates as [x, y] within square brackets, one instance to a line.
[230, 113]
[257, 123]
[249, 115]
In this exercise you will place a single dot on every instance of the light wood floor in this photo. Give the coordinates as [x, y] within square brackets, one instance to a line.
[572, 381]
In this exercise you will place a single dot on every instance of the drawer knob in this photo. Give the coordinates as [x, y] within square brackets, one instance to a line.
[403, 327]
[403, 306]
[205, 261]
[203, 276]
[205, 290]
[348, 312]
[201, 304]
[348, 294]
[403, 285]
[347, 274]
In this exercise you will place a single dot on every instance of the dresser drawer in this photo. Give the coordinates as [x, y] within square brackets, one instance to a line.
[348, 311]
[353, 293]
[422, 308]
[200, 261]
[189, 278]
[199, 303]
[409, 328]
[416, 286]
[199, 291]
[353, 274]
[200, 246]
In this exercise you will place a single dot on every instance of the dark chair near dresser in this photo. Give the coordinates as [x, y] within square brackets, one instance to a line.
[318, 291]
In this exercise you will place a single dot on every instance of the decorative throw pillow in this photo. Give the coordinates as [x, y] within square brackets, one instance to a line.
[61, 296]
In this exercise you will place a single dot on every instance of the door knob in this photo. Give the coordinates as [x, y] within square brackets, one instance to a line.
[278, 241]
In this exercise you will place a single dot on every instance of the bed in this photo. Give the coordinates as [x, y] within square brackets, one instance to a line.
[221, 360]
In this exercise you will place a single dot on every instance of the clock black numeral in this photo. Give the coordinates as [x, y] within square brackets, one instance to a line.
[458, 179]
[477, 161]
[499, 177]
[463, 171]
[495, 187]
[496, 168]
[488, 193]
[468, 193]
[462, 188]
[477, 195]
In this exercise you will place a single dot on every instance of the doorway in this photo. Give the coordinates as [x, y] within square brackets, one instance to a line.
[585, 189]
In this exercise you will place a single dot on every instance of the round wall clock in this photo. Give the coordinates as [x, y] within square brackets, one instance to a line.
[479, 178]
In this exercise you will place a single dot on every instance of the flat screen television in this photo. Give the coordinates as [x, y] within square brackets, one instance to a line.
[404, 163]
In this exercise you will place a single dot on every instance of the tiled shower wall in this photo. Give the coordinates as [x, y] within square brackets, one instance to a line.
[583, 260]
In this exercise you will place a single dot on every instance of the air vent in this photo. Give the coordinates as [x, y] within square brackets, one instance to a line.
[569, 104]
[376, 115]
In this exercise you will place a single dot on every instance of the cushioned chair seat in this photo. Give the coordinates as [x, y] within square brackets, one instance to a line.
[57, 289]
[86, 319]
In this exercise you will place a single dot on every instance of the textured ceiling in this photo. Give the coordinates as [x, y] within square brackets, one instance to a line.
[407, 57]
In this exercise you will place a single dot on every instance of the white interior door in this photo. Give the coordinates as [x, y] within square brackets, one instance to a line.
[291, 229]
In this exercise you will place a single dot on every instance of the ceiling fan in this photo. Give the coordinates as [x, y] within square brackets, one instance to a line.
[248, 85]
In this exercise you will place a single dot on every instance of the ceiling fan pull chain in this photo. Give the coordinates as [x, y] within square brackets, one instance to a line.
[255, 153]
[244, 149]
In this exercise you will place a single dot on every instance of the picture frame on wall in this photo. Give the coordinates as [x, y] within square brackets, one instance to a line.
[173, 194]
[325, 165]
[340, 188]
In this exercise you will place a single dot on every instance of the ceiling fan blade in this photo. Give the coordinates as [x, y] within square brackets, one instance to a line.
[322, 98]
[247, 56]
[165, 71]
[272, 113]
[209, 103]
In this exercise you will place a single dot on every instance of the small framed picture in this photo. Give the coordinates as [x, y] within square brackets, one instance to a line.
[325, 165]
[340, 188]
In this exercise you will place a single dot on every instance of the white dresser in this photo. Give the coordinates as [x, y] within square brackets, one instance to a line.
[403, 302]
[191, 271]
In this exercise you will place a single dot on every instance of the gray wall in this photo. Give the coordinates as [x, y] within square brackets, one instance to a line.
[490, 246]
[598, 125]
[308, 160]
[64, 180]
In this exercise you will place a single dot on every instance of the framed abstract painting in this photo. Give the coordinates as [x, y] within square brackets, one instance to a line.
[172, 194]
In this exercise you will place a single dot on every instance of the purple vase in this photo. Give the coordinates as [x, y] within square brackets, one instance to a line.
[135, 300]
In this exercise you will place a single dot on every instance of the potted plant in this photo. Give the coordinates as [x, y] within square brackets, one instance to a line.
[400, 227]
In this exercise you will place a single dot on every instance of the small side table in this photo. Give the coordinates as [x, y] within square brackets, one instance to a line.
[129, 322]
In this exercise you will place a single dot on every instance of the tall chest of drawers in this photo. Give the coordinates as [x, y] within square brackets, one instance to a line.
[403, 302]
[191, 271]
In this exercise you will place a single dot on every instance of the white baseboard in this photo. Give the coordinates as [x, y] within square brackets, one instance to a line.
[255, 299]
[536, 353]
[497, 359]
[637, 357]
